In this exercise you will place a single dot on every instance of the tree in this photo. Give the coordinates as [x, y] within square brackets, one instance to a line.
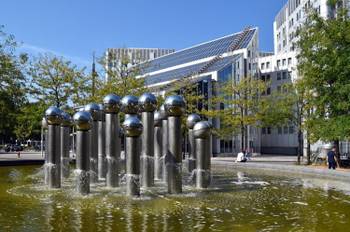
[121, 81]
[12, 82]
[58, 82]
[324, 64]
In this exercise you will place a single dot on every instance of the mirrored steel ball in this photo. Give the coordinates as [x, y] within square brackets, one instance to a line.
[82, 120]
[101, 113]
[202, 129]
[162, 112]
[66, 119]
[111, 104]
[132, 127]
[192, 119]
[94, 110]
[130, 104]
[174, 105]
[53, 115]
[147, 102]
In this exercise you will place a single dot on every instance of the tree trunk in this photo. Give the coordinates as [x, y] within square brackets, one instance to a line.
[308, 150]
[300, 145]
[337, 151]
[242, 137]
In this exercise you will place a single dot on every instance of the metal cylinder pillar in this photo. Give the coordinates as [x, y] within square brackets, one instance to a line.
[192, 119]
[147, 105]
[65, 144]
[94, 110]
[102, 161]
[158, 146]
[111, 105]
[202, 134]
[174, 106]
[82, 121]
[53, 166]
[132, 129]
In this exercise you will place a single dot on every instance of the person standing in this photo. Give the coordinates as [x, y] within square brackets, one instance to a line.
[332, 159]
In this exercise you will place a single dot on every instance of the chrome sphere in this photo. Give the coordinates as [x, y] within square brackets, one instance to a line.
[111, 103]
[130, 104]
[53, 115]
[66, 119]
[94, 110]
[132, 127]
[202, 130]
[82, 120]
[157, 119]
[44, 123]
[174, 105]
[148, 102]
[192, 119]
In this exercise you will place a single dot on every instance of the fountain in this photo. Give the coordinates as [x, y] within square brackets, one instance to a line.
[83, 123]
[192, 119]
[65, 145]
[133, 129]
[222, 198]
[111, 107]
[174, 106]
[94, 110]
[147, 104]
[53, 117]
[202, 133]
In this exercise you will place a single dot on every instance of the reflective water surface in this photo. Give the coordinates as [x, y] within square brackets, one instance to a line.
[237, 201]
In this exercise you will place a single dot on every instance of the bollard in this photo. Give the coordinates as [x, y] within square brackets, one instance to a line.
[192, 119]
[129, 105]
[133, 129]
[94, 110]
[53, 167]
[147, 104]
[202, 133]
[83, 124]
[174, 106]
[65, 144]
[102, 161]
[112, 105]
[165, 140]
[158, 146]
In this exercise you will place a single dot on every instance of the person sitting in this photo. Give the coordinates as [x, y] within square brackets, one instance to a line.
[241, 157]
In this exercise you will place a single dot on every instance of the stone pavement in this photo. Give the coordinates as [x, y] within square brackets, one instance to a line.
[285, 164]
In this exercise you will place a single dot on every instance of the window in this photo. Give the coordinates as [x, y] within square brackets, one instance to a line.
[290, 74]
[267, 64]
[289, 61]
[279, 89]
[268, 91]
[268, 77]
[284, 62]
[262, 66]
[278, 76]
[248, 53]
[263, 130]
[278, 63]
[279, 130]
[263, 78]
[284, 75]
[269, 130]
[285, 130]
[291, 129]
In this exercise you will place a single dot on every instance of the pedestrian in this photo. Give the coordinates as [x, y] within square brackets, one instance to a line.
[332, 159]
[18, 154]
[241, 157]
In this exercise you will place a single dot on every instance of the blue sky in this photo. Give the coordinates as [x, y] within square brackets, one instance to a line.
[76, 28]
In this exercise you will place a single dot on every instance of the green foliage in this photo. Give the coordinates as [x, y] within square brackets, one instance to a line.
[58, 82]
[324, 64]
[12, 81]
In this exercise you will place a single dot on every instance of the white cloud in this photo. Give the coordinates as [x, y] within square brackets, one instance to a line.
[35, 50]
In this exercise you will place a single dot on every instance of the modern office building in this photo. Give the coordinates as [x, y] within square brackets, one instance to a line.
[114, 56]
[281, 67]
[230, 57]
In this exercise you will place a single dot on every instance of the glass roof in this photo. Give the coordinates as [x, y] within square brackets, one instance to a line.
[209, 49]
